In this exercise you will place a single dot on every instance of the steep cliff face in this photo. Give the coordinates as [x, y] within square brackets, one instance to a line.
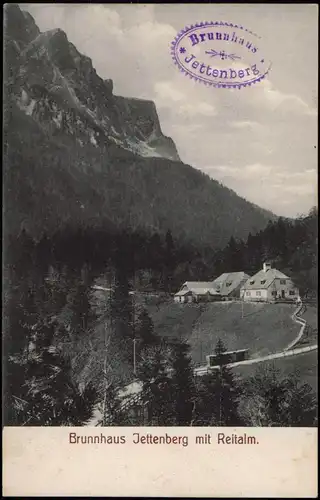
[141, 128]
[56, 85]
[77, 155]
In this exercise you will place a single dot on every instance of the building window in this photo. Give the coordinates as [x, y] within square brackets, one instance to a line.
[258, 294]
[262, 282]
[251, 282]
[282, 282]
[292, 292]
[248, 294]
[274, 293]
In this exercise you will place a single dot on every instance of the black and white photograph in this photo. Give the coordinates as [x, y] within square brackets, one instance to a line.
[160, 218]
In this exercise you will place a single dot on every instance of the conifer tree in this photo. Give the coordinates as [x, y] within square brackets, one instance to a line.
[153, 371]
[52, 395]
[144, 329]
[218, 394]
[112, 409]
[169, 261]
[182, 383]
[78, 314]
[19, 316]
[58, 285]
[40, 389]
[122, 313]
[272, 399]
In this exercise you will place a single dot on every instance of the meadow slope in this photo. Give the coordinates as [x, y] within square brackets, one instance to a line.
[305, 365]
[264, 328]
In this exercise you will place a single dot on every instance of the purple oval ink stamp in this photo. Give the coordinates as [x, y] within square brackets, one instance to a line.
[224, 55]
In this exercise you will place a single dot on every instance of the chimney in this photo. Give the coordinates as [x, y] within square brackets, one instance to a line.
[266, 266]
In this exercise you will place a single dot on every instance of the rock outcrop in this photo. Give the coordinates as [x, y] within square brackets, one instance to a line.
[55, 84]
[77, 155]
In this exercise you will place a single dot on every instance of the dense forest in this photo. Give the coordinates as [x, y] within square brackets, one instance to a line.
[83, 204]
[162, 262]
[112, 188]
[291, 246]
[63, 354]
[71, 148]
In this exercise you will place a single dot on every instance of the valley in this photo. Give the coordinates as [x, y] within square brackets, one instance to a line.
[95, 195]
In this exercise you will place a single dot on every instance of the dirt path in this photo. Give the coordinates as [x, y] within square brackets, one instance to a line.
[134, 388]
[293, 352]
[300, 321]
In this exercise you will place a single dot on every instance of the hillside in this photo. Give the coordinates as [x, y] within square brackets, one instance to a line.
[305, 365]
[77, 154]
[291, 246]
[264, 329]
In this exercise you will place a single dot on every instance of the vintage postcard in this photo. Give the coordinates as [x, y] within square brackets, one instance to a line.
[160, 250]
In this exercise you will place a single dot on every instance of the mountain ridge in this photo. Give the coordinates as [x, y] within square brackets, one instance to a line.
[89, 157]
[49, 61]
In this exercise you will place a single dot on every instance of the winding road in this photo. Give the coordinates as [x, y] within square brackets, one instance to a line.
[131, 392]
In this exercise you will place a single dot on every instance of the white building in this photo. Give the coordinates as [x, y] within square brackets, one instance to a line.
[227, 286]
[269, 285]
[196, 291]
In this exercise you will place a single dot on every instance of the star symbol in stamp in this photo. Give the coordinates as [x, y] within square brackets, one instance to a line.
[182, 50]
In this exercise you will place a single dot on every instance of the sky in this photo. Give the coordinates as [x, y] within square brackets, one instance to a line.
[260, 141]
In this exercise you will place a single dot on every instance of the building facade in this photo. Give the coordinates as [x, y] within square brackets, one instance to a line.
[225, 287]
[269, 285]
[196, 291]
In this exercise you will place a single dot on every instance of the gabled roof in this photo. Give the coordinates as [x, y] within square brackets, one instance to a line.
[182, 292]
[198, 288]
[228, 282]
[263, 279]
[198, 284]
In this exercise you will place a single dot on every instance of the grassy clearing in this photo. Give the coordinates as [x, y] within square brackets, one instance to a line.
[311, 316]
[264, 329]
[175, 320]
[310, 336]
[304, 364]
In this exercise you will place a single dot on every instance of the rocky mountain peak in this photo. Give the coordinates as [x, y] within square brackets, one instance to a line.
[19, 25]
[59, 87]
[77, 155]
